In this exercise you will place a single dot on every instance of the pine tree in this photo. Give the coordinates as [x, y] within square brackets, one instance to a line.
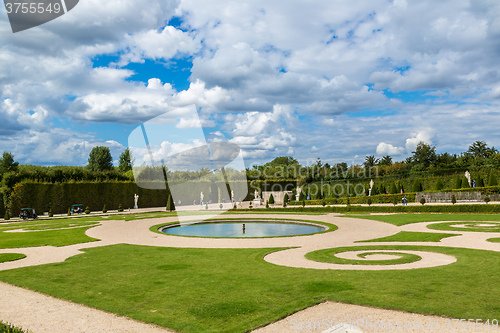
[492, 181]
[302, 196]
[286, 198]
[271, 199]
[439, 185]
[453, 199]
[170, 203]
[465, 182]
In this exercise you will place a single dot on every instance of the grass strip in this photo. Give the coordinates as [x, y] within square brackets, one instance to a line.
[328, 255]
[5, 257]
[409, 236]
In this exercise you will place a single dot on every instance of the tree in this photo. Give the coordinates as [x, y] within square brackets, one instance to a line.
[417, 186]
[481, 149]
[7, 163]
[493, 180]
[100, 159]
[271, 200]
[370, 161]
[386, 160]
[439, 185]
[125, 162]
[170, 203]
[424, 154]
[465, 182]
[286, 198]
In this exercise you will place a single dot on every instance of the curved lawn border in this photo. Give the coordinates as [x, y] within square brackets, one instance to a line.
[411, 236]
[493, 240]
[328, 256]
[328, 226]
[6, 257]
[447, 226]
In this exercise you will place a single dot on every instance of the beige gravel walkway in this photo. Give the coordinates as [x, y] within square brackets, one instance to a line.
[137, 232]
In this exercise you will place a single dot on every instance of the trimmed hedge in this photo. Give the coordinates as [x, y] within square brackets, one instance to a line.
[380, 198]
[476, 208]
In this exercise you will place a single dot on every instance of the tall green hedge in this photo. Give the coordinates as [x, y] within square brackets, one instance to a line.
[60, 196]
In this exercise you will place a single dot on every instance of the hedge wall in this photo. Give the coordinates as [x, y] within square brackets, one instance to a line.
[475, 208]
[60, 196]
[381, 198]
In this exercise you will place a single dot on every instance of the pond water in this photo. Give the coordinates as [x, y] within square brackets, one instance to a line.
[235, 229]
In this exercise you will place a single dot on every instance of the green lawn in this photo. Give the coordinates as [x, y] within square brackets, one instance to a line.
[5, 257]
[494, 240]
[402, 219]
[408, 236]
[235, 290]
[328, 255]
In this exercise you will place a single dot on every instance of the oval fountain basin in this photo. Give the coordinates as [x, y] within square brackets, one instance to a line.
[235, 229]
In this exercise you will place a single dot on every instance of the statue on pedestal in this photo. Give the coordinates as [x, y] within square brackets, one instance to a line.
[136, 198]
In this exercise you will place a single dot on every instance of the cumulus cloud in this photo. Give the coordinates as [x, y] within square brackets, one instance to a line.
[388, 149]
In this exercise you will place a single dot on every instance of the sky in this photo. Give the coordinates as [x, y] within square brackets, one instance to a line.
[338, 80]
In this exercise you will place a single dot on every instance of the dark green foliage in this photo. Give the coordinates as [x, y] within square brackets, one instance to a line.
[50, 212]
[267, 204]
[302, 196]
[104, 209]
[125, 162]
[69, 211]
[100, 159]
[7, 163]
[394, 200]
[486, 199]
[492, 181]
[369, 201]
[303, 203]
[7, 328]
[120, 209]
[422, 201]
[87, 210]
[439, 185]
[170, 203]
[286, 198]
[465, 182]
[323, 203]
[6, 216]
[271, 199]
[393, 188]
[417, 186]
[2, 205]
[479, 182]
[458, 182]
[453, 199]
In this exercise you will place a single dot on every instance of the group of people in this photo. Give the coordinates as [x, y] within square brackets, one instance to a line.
[26, 214]
[405, 200]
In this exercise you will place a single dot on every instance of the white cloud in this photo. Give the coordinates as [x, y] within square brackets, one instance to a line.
[388, 149]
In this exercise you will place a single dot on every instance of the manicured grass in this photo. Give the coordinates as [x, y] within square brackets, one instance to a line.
[328, 255]
[494, 240]
[46, 232]
[235, 290]
[408, 236]
[4, 257]
[470, 226]
[402, 219]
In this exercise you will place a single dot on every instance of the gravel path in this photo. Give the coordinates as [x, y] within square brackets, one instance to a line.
[41, 313]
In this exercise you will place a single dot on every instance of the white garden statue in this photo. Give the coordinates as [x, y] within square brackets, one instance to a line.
[467, 175]
[136, 198]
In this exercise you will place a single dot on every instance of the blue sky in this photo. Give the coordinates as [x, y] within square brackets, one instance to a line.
[337, 80]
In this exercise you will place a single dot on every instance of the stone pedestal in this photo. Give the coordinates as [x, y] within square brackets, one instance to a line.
[257, 202]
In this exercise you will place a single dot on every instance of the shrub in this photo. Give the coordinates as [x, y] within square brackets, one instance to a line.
[493, 180]
[234, 206]
[250, 205]
[284, 204]
[120, 209]
[303, 203]
[453, 199]
[170, 203]
[271, 199]
[439, 185]
[479, 182]
[87, 210]
[458, 182]
[422, 200]
[394, 200]
[50, 212]
[323, 203]
[417, 186]
[267, 204]
[465, 183]
[6, 216]
[486, 199]
[369, 201]
[69, 211]
[302, 196]
[286, 198]
[104, 210]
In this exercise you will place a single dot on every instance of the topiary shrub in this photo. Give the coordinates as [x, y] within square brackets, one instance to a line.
[50, 212]
[453, 199]
[267, 204]
[104, 209]
[394, 200]
[271, 200]
[369, 201]
[6, 216]
[487, 199]
[465, 182]
[439, 185]
[493, 180]
[87, 210]
[422, 200]
[303, 203]
[323, 203]
[69, 211]
[120, 209]
[286, 198]
[284, 204]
